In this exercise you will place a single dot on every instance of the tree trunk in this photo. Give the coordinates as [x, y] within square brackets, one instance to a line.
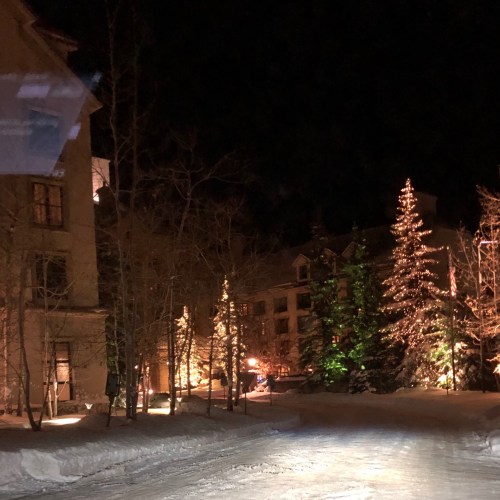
[171, 355]
[26, 371]
[188, 354]
[238, 364]
[229, 354]
[210, 368]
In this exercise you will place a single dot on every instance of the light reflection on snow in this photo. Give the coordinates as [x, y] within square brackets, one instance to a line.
[62, 421]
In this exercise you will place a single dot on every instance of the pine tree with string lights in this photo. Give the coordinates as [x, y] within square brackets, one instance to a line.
[229, 346]
[188, 358]
[413, 303]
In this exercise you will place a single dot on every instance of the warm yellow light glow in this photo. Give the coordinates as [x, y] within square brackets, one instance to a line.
[252, 362]
[63, 421]
[159, 411]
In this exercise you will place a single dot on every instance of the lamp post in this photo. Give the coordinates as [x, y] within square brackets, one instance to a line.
[480, 307]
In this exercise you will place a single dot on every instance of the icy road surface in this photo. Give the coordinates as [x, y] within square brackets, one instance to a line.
[353, 450]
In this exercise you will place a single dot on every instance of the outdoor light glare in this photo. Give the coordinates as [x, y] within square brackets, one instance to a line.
[252, 362]
[62, 421]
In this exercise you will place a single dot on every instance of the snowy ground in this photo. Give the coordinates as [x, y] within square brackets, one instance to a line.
[412, 444]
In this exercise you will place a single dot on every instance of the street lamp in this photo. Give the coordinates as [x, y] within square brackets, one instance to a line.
[479, 305]
[252, 362]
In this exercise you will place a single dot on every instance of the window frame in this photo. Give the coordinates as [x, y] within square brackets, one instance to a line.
[304, 320]
[61, 363]
[300, 274]
[243, 309]
[259, 308]
[46, 213]
[280, 304]
[45, 139]
[303, 304]
[278, 323]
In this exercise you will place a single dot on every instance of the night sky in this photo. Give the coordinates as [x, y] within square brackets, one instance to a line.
[333, 103]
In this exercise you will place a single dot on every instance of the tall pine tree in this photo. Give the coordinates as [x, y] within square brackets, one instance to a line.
[413, 302]
[188, 359]
[321, 349]
[362, 307]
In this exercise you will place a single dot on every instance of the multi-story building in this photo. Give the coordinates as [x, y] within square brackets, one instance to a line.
[280, 314]
[48, 278]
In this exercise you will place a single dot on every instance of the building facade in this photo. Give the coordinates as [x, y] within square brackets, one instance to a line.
[52, 336]
[280, 313]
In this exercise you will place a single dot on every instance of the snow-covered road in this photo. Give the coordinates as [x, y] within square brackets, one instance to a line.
[348, 449]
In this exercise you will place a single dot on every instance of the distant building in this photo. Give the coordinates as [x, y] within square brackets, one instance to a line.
[100, 176]
[48, 276]
[280, 313]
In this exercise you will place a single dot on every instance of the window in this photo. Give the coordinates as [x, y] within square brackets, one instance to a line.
[280, 305]
[281, 326]
[47, 204]
[335, 339]
[283, 371]
[303, 273]
[51, 280]
[62, 370]
[259, 308]
[243, 309]
[303, 300]
[44, 137]
[304, 324]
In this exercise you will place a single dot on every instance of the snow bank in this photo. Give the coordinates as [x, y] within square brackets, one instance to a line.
[28, 460]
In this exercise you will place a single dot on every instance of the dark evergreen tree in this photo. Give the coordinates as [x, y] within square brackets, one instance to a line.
[321, 349]
[362, 306]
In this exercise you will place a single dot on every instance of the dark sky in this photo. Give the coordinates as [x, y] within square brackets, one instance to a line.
[334, 103]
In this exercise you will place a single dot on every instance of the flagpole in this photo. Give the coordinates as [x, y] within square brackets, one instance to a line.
[453, 286]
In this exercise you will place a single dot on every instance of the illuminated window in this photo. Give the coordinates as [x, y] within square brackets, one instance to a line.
[62, 362]
[47, 204]
[51, 281]
[281, 326]
[303, 300]
[60, 369]
[280, 305]
[335, 339]
[283, 371]
[259, 308]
